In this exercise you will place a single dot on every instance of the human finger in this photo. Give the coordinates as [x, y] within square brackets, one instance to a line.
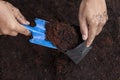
[13, 33]
[99, 28]
[20, 29]
[101, 25]
[20, 17]
[83, 28]
[91, 34]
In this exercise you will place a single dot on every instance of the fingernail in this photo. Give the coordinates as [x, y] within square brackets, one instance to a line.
[88, 45]
[27, 22]
[84, 37]
[27, 33]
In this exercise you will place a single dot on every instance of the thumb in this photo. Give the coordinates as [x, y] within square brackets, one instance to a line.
[84, 29]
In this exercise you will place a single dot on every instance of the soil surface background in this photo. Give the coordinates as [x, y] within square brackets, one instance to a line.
[20, 60]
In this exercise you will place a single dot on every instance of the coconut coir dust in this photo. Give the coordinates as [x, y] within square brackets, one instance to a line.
[62, 35]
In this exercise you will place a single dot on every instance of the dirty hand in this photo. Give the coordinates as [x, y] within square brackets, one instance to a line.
[92, 18]
[11, 20]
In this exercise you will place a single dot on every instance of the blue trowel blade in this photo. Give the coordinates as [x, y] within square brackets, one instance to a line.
[38, 33]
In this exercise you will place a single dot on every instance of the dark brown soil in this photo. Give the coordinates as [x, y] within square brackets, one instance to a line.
[63, 35]
[20, 60]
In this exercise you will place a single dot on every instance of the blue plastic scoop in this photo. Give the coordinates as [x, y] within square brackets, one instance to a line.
[39, 33]
[39, 37]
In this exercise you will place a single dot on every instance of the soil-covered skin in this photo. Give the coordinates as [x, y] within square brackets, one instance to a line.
[63, 35]
[20, 60]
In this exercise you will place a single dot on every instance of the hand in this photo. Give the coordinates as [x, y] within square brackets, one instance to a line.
[92, 18]
[11, 20]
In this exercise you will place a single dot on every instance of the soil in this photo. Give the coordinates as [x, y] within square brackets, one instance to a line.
[64, 36]
[20, 60]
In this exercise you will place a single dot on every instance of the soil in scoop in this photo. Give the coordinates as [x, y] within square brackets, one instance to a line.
[62, 35]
